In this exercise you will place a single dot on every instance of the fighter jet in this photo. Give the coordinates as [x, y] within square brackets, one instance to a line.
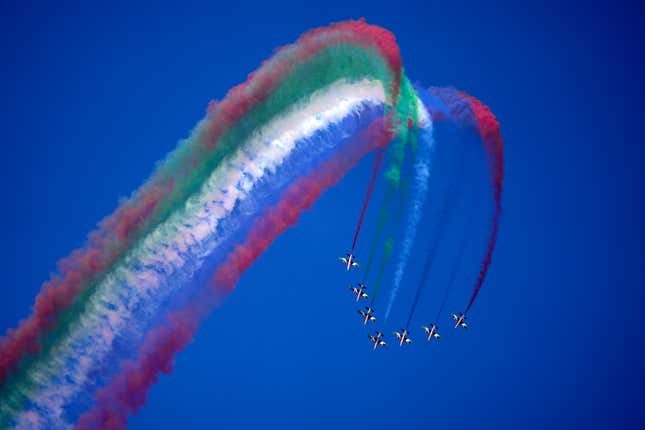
[431, 331]
[460, 321]
[367, 315]
[377, 340]
[349, 261]
[360, 292]
[403, 336]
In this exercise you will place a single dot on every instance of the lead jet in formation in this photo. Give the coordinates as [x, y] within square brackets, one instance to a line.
[460, 321]
[349, 261]
[431, 332]
[377, 340]
[360, 292]
[403, 336]
[367, 315]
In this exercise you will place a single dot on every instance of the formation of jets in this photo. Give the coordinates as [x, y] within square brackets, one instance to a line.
[367, 315]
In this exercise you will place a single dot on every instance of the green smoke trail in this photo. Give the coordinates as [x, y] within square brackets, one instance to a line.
[406, 120]
[380, 229]
[388, 247]
[405, 123]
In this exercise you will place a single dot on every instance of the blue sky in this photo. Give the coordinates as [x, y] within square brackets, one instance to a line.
[92, 97]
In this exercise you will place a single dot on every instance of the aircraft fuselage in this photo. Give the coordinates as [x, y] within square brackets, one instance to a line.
[403, 337]
[350, 258]
[359, 292]
[460, 320]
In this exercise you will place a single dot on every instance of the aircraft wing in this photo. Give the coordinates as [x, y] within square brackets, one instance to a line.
[342, 259]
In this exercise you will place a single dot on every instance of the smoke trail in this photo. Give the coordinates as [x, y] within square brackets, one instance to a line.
[378, 161]
[440, 228]
[265, 93]
[112, 303]
[388, 247]
[458, 260]
[127, 392]
[406, 118]
[451, 197]
[420, 191]
[467, 111]
[488, 128]
[378, 233]
[243, 256]
[453, 273]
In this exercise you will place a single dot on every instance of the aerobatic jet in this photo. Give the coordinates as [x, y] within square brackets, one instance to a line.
[377, 340]
[460, 321]
[349, 261]
[403, 336]
[431, 332]
[367, 315]
[360, 292]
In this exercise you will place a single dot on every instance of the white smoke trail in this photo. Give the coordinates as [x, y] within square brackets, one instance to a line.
[422, 172]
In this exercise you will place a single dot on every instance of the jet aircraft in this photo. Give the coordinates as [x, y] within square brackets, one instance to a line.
[367, 315]
[349, 261]
[431, 332]
[377, 340]
[360, 292]
[403, 336]
[460, 321]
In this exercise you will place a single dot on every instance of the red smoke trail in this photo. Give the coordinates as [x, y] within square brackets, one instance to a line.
[376, 167]
[117, 232]
[488, 128]
[126, 393]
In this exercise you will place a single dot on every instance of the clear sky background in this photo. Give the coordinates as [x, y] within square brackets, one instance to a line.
[93, 96]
